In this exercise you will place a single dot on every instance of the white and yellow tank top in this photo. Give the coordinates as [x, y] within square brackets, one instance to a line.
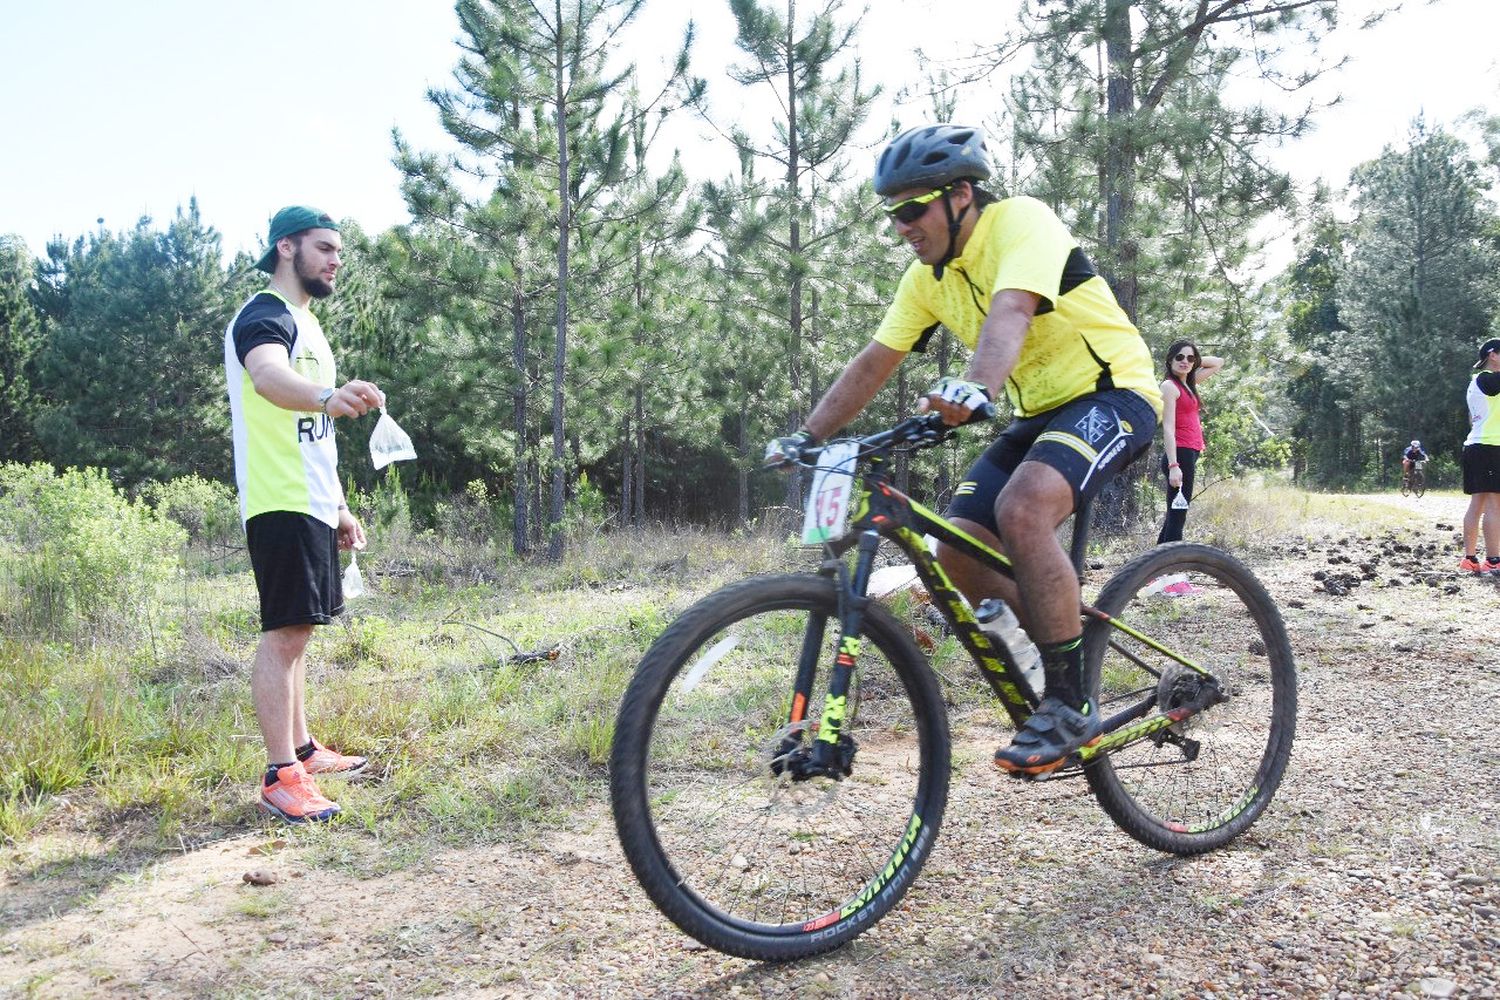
[1484, 409]
[284, 460]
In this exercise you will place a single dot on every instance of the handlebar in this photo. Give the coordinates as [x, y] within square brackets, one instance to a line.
[922, 430]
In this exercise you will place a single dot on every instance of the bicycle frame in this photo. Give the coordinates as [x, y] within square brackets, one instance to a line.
[883, 512]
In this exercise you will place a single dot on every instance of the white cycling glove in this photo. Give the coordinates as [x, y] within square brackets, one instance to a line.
[960, 392]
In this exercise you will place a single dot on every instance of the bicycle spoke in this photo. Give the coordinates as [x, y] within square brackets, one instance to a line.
[731, 842]
[1200, 781]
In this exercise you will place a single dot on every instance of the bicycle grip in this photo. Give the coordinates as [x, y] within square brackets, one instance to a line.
[980, 414]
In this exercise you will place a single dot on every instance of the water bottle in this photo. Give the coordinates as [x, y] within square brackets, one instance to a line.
[996, 618]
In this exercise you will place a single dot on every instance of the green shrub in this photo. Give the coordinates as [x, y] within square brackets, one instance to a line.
[587, 510]
[80, 553]
[208, 511]
[391, 509]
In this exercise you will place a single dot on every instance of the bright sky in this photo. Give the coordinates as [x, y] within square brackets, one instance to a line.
[117, 110]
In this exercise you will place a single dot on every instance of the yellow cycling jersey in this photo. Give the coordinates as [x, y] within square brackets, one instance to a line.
[1080, 340]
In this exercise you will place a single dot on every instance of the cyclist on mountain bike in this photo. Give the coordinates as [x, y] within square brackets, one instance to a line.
[1411, 456]
[1007, 278]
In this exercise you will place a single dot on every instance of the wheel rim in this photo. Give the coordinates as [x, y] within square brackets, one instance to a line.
[760, 851]
[1236, 742]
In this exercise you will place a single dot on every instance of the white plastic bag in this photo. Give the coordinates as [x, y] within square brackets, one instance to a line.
[389, 443]
[1179, 502]
[354, 583]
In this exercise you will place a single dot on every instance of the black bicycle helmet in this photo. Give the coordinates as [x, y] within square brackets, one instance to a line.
[930, 156]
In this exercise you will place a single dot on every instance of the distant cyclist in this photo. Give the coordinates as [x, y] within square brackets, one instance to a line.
[1007, 278]
[1411, 456]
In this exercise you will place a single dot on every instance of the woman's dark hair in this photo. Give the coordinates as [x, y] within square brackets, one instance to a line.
[1191, 382]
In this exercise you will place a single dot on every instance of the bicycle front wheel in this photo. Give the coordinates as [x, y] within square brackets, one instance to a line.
[1418, 483]
[1197, 784]
[730, 846]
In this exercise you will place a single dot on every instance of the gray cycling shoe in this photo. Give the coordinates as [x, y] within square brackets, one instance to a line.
[1048, 737]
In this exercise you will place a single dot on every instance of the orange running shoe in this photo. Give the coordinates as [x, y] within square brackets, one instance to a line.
[1467, 565]
[331, 763]
[294, 797]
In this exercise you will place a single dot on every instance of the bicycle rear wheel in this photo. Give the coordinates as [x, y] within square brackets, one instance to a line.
[1199, 783]
[1405, 485]
[748, 860]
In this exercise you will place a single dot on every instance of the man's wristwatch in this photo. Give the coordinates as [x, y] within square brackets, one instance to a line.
[324, 397]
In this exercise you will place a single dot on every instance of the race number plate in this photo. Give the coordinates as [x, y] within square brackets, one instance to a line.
[827, 512]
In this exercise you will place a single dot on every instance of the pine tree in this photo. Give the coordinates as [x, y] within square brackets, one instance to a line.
[132, 367]
[20, 333]
[531, 111]
[818, 112]
[1418, 291]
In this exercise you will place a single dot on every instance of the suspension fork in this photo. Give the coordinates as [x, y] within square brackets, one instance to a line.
[827, 756]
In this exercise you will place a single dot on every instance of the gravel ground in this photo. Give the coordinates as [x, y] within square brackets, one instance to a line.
[1373, 874]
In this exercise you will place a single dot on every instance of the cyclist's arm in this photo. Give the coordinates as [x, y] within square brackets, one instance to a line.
[1001, 337]
[1208, 367]
[852, 391]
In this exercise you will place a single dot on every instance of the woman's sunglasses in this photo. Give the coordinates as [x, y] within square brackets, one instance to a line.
[909, 211]
[1184, 357]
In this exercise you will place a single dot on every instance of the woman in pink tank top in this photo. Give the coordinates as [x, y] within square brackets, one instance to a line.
[1182, 429]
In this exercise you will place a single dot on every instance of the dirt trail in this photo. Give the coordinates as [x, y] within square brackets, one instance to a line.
[1373, 873]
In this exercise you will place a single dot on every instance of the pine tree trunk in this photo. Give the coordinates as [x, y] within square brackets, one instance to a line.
[560, 353]
[1117, 505]
[518, 539]
[743, 484]
[626, 478]
[903, 459]
[794, 351]
[945, 471]
[1120, 157]
[640, 457]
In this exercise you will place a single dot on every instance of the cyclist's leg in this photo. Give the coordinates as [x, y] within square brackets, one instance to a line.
[1085, 444]
[1036, 500]
[972, 511]
[974, 581]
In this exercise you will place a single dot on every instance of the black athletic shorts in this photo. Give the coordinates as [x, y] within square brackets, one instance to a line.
[296, 563]
[1088, 440]
[1481, 464]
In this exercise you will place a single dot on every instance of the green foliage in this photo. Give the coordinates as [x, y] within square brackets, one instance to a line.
[1417, 290]
[20, 331]
[1123, 126]
[587, 509]
[1384, 313]
[391, 508]
[80, 553]
[131, 379]
[208, 510]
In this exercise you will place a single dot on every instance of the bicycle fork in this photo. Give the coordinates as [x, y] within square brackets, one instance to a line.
[831, 752]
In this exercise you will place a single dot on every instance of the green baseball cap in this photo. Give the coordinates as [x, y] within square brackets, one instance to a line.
[289, 222]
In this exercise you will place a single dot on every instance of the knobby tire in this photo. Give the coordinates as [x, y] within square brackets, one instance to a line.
[746, 861]
[1231, 627]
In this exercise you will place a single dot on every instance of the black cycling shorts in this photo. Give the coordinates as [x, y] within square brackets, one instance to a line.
[1481, 464]
[1088, 440]
[296, 563]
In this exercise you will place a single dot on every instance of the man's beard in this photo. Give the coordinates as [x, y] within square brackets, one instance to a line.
[311, 283]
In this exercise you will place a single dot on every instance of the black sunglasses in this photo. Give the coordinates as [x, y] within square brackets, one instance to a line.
[1184, 357]
[909, 211]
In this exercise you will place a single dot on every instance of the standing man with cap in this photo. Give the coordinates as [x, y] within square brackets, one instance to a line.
[1481, 463]
[283, 399]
